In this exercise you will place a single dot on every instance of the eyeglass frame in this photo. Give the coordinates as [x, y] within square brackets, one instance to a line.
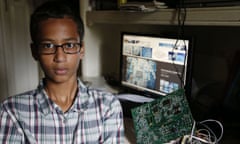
[55, 46]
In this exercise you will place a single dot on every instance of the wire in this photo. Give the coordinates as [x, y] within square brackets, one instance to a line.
[203, 135]
[181, 17]
[219, 124]
[193, 129]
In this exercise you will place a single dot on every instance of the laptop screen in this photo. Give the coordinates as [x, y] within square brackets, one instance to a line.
[155, 65]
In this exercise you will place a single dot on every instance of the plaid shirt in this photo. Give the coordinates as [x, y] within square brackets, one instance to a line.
[31, 117]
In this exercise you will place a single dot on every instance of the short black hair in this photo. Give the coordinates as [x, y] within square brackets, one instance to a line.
[55, 9]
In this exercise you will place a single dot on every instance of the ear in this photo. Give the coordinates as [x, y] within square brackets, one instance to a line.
[82, 51]
[34, 51]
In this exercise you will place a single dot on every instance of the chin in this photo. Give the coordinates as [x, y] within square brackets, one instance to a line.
[59, 79]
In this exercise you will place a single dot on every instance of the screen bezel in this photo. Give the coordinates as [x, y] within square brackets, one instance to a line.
[188, 82]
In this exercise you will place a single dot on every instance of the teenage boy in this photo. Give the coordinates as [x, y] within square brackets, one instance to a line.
[61, 110]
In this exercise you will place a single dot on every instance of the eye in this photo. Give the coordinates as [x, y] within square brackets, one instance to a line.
[69, 45]
[47, 45]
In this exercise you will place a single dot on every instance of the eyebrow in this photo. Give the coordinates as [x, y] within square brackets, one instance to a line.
[51, 40]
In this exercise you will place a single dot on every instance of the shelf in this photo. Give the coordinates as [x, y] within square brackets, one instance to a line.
[211, 16]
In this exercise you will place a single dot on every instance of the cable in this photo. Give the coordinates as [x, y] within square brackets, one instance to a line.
[219, 124]
[193, 129]
[181, 18]
[201, 133]
[204, 135]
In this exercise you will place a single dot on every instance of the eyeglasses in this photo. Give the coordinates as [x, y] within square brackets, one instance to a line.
[68, 48]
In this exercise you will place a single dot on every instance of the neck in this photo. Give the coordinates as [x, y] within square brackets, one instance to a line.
[63, 94]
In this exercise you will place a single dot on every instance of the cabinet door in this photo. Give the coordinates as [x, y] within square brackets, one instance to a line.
[19, 71]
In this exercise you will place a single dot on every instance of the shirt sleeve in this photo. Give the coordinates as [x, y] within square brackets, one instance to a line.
[9, 132]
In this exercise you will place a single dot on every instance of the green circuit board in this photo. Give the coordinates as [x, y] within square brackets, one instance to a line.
[162, 120]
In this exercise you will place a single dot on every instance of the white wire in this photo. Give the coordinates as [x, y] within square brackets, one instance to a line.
[202, 140]
[193, 129]
[219, 123]
[210, 137]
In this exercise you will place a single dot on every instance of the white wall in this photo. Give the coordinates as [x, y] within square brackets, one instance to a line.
[19, 72]
[91, 64]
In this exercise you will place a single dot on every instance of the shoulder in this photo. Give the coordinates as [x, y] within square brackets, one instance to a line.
[102, 95]
[19, 102]
[98, 98]
[104, 99]
[95, 92]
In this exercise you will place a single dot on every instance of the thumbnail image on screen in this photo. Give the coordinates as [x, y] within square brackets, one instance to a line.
[152, 63]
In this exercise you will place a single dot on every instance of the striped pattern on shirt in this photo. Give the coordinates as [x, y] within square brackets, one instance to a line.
[95, 117]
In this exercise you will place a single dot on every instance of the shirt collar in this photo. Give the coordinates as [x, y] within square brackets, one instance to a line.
[80, 103]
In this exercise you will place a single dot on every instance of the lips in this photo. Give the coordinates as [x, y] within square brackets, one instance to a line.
[60, 71]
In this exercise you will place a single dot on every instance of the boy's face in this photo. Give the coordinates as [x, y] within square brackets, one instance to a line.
[59, 67]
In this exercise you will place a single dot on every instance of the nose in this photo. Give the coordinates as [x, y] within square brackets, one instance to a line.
[60, 55]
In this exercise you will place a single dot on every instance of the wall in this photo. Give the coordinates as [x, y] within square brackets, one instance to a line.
[19, 72]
